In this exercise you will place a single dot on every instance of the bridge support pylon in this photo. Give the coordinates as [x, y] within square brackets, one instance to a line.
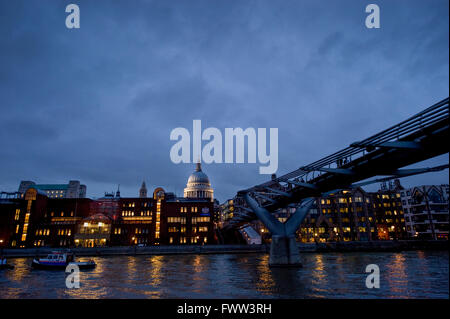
[283, 248]
[284, 252]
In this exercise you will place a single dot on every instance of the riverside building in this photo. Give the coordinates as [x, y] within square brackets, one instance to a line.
[71, 190]
[36, 219]
[347, 215]
[426, 211]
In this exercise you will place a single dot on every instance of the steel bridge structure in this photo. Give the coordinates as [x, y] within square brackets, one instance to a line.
[383, 155]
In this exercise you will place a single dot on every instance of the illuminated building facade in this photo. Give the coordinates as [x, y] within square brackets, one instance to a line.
[35, 220]
[226, 210]
[390, 217]
[93, 231]
[343, 216]
[164, 219]
[71, 190]
[347, 215]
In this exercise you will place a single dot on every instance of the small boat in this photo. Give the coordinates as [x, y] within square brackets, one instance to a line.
[4, 265]
[60, 260]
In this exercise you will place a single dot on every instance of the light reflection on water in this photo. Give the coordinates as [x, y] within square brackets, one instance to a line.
[319, 277]
[325, 275]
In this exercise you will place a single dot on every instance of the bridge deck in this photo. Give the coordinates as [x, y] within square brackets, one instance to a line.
[421, 137]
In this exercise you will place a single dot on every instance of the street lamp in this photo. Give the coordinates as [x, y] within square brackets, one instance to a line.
[1, 249]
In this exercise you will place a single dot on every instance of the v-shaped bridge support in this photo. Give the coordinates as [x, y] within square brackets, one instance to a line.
[283, 248]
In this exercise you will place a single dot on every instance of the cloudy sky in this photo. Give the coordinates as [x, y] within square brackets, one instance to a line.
[98, 103]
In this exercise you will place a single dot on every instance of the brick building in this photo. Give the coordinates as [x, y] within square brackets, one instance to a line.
[35, 220]
[389, 212]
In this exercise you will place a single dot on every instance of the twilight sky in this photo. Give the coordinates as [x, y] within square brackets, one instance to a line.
[98, 103]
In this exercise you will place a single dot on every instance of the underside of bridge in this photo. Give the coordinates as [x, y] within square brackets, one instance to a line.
[421, 137]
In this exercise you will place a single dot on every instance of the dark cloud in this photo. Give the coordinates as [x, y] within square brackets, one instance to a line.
[98, 104]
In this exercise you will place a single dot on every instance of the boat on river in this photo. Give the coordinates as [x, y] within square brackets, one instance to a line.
[4, 264]
[60, 260]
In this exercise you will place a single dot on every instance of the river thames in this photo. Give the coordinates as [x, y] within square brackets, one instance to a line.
[412, 274]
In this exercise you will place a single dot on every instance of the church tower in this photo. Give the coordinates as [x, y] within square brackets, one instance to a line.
[143, 191]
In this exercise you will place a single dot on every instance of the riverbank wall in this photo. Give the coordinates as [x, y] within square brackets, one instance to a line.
[134, 250]
[378, 246]
[374, 246]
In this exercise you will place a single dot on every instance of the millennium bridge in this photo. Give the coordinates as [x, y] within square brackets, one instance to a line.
[383, 155]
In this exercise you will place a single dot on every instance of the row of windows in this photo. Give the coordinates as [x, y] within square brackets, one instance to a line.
[193, 240]
[387, 196]
[194, 209]
[181, 220]
[203, 219]
[198, 194]
[55, 192]
[133, 204]
[118, 231]
[343, 200]
[39, 243]
[42, 232]
[141, 231]
[64, 242]
[322, 230]
[393, 204]
[345, 219]
[175, 229]
[342, 210]
[64, 232]
[389, 213]
[140, 240]
[127, 213]
[62, 214]
[183, 229]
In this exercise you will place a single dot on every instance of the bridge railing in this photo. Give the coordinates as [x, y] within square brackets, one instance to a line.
[419, 122]
[399, 135]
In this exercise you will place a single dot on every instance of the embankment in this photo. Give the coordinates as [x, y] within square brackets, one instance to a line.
[374, 246]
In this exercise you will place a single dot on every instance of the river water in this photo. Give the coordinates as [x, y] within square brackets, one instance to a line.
[413, 274]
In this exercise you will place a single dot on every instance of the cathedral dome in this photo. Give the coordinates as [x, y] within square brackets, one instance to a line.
[198, 185]
[198, 177]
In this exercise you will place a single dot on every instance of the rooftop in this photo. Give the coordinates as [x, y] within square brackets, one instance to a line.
[50, 186]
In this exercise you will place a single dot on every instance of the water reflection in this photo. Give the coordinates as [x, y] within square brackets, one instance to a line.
[287, 282]
[265, 281]
[21, 269]
[319, 276]
[405, 275]
[399, 279]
